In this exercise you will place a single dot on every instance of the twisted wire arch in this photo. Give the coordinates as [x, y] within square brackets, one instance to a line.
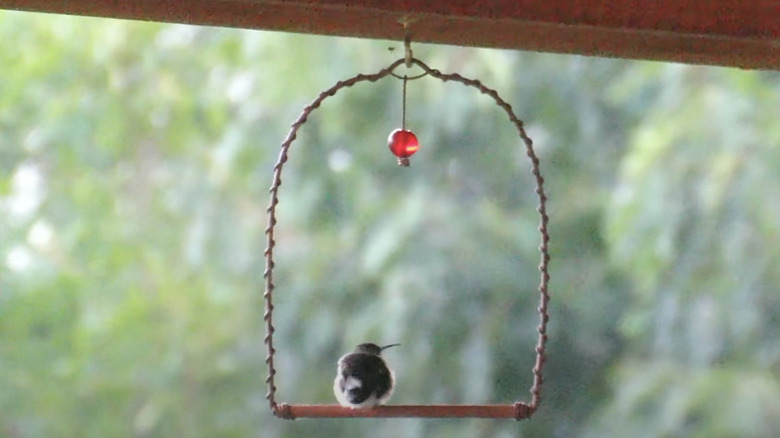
[518, 410]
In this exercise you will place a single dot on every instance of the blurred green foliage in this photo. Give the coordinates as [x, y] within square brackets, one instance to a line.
[135, 160]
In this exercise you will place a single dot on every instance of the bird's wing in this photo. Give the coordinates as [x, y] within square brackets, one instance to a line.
[372, 373]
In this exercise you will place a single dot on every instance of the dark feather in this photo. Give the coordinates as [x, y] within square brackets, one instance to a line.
[371, 371]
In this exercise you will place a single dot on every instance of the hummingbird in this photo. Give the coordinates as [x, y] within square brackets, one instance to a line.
[363, 379]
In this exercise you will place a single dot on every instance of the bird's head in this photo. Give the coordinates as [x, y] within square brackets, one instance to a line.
[373, 349]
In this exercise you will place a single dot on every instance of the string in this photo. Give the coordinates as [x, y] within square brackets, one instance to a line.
[403, 106]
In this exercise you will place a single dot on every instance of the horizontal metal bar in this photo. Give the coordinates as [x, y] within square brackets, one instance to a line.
[516, 411]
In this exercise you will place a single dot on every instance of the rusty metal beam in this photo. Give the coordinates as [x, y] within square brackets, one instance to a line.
[718, 32]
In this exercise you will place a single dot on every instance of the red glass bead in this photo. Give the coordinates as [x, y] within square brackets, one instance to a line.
[403, 144]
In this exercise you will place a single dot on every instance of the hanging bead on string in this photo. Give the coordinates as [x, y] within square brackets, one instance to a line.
[402, 142]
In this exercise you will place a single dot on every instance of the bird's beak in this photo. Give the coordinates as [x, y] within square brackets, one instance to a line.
[388, 346]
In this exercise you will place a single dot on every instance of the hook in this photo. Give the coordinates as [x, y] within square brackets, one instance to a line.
[408, 55]
[406, 20]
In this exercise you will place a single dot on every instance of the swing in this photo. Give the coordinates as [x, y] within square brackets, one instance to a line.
[518, 410]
